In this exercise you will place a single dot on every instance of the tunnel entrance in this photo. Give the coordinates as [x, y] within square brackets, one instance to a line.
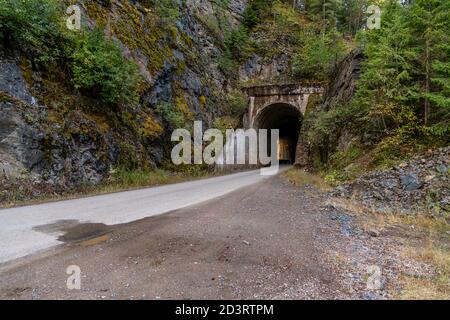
[287, 119]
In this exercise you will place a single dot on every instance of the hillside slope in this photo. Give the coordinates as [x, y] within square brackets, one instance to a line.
[56, 136]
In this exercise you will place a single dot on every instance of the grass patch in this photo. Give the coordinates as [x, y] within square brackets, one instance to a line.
[426, 242]
[119, 180]
[125, 179]
[438, 286]
[301, 178]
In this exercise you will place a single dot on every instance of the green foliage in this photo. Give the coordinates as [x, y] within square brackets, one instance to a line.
[167, 10]
[256, 11]
[325, 9]
[225, 62]
[237, 102]
[440, 96]
[171, 115]
[351, 15]
[385, 93]
[99, 69]
[238, 47]
[318, 125]
[336, 177]
[35, 27]
[318, 54]
[403, 84]
[126, 178]
[429, 25]
[225, 123]
[236, 41]
[342, 159]
[402, 97]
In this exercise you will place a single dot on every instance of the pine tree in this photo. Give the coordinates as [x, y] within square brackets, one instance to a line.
[386, 93]
[429, 27]
[351, 15]
[440, 97]
[326, 10]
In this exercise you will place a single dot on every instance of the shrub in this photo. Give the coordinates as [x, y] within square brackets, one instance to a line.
[99, 69]
[171, 115]
[336, 177]
[342, 159]
[126, 178]
[225, 62]
[237, 102]
[256, 11]
[225, 123]
[166, 10]
[36, 27]
[318, 55]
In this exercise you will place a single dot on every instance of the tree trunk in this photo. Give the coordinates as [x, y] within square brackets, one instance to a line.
[427, 82]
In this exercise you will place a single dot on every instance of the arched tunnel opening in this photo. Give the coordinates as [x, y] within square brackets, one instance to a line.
[287, 119]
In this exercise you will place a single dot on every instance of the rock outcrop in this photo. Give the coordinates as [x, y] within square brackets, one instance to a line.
[259, 70]
[19, 142]
[52, 136]
[420, 185]
[340, 91]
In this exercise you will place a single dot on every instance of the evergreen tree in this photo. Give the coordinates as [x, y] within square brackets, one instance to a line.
[441, 96]
[386, 93]
[326, 10]
[429, 27]
[351, 15]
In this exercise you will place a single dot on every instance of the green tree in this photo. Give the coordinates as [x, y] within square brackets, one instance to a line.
[100, 70]
[386, 92]
[351, 15]
[429, 24]
[171, 115]
[317, 55]
[440, 96]
[36, 27]
[256, 11]
[327, 11]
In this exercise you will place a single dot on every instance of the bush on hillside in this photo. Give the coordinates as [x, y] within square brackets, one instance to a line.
[99, 69]
[35, 27]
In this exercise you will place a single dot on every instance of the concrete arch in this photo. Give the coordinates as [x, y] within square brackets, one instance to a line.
[273, 115]
[280, 107]
[296, 95]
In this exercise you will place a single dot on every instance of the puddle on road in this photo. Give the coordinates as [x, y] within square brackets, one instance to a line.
[85, 234]
[94, 241]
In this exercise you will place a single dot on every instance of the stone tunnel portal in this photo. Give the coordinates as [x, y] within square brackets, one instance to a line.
[281, 107]
[287, 118]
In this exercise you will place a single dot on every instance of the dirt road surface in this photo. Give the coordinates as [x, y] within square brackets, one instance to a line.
[27, 230]
[270, 240]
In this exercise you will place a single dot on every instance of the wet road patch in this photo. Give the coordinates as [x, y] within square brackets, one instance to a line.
[71, 231]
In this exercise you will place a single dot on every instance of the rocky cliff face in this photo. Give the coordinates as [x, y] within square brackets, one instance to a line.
[50, 134]
[342, 88]
[340, 91]
[258, 70]
[19, 142]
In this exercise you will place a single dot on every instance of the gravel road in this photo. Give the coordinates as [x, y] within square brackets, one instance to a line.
[27, 230]
[270, 240]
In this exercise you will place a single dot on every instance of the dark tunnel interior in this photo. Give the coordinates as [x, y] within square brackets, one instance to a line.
[287, 119]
